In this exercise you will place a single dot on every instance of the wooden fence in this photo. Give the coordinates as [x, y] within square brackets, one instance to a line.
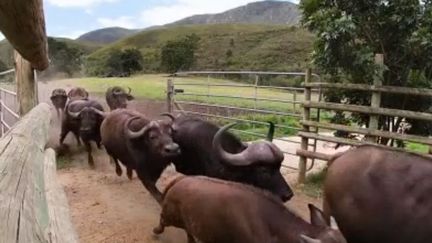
[33, 206]
[374, 111]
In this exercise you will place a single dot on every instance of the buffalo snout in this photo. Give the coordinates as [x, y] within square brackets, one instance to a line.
[281, 188]
[172, 149]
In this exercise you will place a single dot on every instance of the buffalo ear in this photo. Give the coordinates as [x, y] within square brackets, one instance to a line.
[306, 239]
[317, 217]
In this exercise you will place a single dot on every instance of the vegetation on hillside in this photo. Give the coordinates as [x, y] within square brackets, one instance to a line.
[349, 33]
[221, 47]
[179, 54]
[123, 63]
[106, 35]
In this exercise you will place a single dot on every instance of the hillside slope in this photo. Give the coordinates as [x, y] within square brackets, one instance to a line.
[222, 46]
[107, 35]
[265, 12]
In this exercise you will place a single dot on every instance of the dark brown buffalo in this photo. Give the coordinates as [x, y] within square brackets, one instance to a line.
[215, 211]
[83, 118]
[58, 99]
[378, 195]
[211, 151]
[140, 144]
[77, 93]
[116, 97]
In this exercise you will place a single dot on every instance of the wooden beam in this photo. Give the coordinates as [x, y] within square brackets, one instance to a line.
[370, 132]
[369, 110]
[26, 85]
[368, 87]
[314, 155]
[60, 228]
[23, 210]
[23, 24]
[304, 140]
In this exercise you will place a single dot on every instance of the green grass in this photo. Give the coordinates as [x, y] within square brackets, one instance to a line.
[313, 184]
[253, 47]
[417, 147]
[63, 162]
[154, 87]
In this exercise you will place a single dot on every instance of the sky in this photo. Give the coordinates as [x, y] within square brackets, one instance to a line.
[71, 18]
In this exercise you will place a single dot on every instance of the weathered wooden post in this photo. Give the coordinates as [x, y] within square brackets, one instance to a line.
[170, 94]
[26, 84]
[376, 96]
[306, 128]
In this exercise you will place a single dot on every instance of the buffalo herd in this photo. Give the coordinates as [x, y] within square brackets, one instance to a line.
[231, 191]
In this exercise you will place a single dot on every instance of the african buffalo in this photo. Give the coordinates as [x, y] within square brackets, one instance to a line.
[214, 211]
[83, 118]
[116, 97]
[378, 195]
[77, 93]
[210, 151]
[140, 144]
[58, 99]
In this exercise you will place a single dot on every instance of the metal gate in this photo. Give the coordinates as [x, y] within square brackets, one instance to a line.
[222, 96]
[8, 102]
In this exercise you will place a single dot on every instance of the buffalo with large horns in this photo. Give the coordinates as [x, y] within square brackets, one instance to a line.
[140, 144]
[83, 118]
[117, 97]
[212, 151]
[59, 99]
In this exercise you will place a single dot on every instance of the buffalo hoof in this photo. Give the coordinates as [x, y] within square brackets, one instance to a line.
[158, 230]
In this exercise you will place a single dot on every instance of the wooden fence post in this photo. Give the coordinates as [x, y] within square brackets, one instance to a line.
[376, 96]
[170, 94]
[26, 84]
[306, 117]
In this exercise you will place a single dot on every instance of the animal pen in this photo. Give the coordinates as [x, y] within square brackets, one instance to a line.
[310, 105]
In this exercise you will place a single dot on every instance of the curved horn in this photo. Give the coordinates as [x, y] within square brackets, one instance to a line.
[233, 159]
[131, 134]
[118, 92]
[171, 116]
[271, 131]
[99, 112]
[130, 90]
[74, 114]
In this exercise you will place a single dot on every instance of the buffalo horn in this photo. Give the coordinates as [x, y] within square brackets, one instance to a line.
[130, 90]
[133, 135]
[171, 116]
[233, 159]
[271, 130]
[99, 112]
[307, 239]
[74, 114]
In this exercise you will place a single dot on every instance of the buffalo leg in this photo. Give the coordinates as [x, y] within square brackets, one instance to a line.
[117, 165]
[191, 239]
[160, 228]
[77, 137]
[63, 134]
[89, 153]
[150, 185]
[129, 172]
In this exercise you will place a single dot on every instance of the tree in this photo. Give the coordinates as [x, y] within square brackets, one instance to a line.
[64, 58]
[349, 33]
[123, 63]
[179, 54]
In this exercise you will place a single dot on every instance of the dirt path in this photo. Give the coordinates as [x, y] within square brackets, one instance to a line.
[108, 208]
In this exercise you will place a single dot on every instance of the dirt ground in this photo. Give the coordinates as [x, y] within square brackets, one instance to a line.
[108, 208]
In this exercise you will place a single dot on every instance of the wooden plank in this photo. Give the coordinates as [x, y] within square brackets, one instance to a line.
[352, 142]
[23, 211]
[60, 227]
[26, 85]
[304, 140]
[371, 132]
[371, 88]
[376, 97]
[369, 110]
[314, 155]
[23, 24]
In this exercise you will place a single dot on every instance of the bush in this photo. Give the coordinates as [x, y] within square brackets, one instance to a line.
[179, 54]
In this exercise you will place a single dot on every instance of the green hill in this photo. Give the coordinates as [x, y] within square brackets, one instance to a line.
[221, 46]
[107, 35]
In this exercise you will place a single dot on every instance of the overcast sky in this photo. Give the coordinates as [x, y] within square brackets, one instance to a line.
[71, 18]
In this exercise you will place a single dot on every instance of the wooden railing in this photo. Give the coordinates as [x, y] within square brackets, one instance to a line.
[374, 111]
[33, 206]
